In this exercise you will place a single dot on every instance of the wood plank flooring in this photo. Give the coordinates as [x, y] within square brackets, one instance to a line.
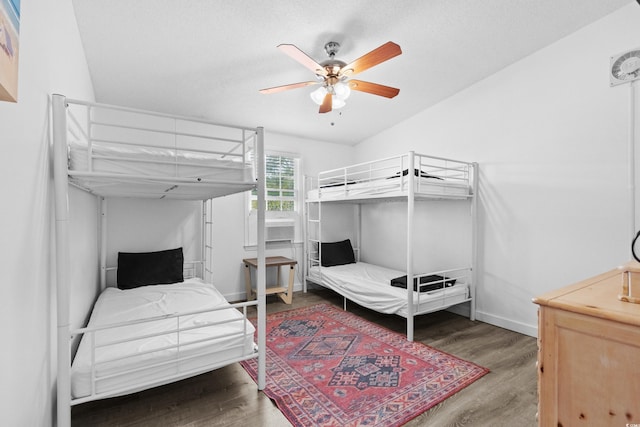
[229, 397]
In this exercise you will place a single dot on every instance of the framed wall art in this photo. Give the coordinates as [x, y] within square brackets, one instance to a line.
[9, 35]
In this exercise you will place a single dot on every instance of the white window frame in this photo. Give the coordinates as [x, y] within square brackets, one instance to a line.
[296, 190]
[296, 214]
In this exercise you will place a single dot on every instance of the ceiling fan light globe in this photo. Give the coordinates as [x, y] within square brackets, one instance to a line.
[318, 95]
[342, 90]
[337, 103]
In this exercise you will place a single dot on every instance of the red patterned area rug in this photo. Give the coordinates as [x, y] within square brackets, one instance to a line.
[328, 367]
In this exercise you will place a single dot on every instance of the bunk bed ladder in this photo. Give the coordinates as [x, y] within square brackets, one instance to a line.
[207, 240]
[313, 224]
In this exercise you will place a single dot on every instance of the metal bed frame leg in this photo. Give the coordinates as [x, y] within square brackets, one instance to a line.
[61, 185]
[261, 279]
[102, 205]
[410, 216]
[474, 242]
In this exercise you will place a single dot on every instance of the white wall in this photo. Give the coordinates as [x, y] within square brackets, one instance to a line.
[550, 136]
[51, 61]
[144, 225]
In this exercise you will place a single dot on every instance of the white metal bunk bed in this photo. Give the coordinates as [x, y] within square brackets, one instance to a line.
[390, 179]
[123, 152]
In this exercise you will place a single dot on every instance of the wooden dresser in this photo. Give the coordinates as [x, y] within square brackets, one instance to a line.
[588, 355]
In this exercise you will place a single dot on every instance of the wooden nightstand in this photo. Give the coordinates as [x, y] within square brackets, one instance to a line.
[285, 293]
[589, 355]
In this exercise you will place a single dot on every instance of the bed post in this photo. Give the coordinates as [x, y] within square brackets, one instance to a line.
[410, 206]
[103, 242]
[261, 270]
[358, 218]
[305, 224]
[474, 240]
[203, 236]
[320, 229]
[61, 186]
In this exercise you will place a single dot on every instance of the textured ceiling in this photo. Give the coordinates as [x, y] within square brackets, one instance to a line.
[209, 58]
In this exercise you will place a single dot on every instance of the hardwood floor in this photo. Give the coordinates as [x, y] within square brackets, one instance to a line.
[228, 396]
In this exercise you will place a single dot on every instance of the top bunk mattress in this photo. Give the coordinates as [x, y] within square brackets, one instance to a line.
[370, 286]
[156, 161]
[389, 187]
[154, 172]
[204, 342]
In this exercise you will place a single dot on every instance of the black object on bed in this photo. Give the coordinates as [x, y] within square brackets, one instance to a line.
[416, 172]
[338, 184]
[337, 253]
[440, 282]
[149, 268]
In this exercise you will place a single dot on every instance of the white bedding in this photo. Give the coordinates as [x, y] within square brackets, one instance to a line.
[114, 363]
[369, 285]
[390, 187]
[151, 161]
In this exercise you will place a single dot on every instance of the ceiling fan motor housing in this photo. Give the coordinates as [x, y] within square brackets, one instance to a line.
[332, 48]
[331, 67]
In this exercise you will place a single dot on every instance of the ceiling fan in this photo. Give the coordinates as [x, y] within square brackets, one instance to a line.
[335, 75]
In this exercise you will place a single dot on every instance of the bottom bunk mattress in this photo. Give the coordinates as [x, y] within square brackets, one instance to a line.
[370, 286]
[138, 354]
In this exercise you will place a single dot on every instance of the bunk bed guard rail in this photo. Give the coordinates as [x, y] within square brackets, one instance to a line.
[119, 151]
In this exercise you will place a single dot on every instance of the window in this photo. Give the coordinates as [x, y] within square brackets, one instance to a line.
[281, 187]
[283, 182]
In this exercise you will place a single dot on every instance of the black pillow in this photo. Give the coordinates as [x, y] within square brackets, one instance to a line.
[149, 268]
[337, 253]
[338, 184]
[401, 282]
[416, 172]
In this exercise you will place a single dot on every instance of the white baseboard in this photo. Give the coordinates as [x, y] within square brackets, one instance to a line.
[512, 325]
[502, 322]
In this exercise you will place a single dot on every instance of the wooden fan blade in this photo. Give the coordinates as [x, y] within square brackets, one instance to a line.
[302, 58]
[373, 88]
[326, 104]
[287, 87]
[376, 56]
